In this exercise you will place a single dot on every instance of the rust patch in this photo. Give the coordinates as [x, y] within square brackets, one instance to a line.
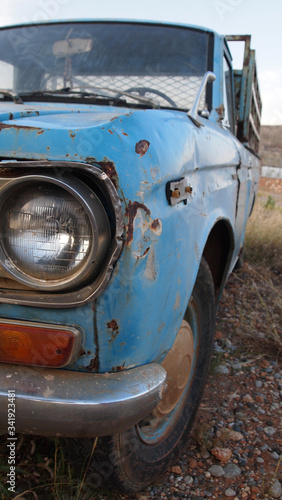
[142, 147]
[93, 365]
[110, 131]
[150, 271]
[10, 172]
[113, 326]
[155, 225]
[143, 254]
[177, 302]
[11, 116]
[220, 111]
[40, 132]
[72, 134]
[124, 133]
[131, 212]
[146, 251]
[17, 127]
[109, 168]
[119, 368]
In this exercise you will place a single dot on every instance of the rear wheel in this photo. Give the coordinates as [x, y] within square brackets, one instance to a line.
[134, 459]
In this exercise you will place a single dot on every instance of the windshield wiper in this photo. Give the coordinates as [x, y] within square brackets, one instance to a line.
[118, 93]
[97, 92]
[15, 97]
[69, 93]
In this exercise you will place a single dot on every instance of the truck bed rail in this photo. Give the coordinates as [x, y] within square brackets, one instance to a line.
[247, 96]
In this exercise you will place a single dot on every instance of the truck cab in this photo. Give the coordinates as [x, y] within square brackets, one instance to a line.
[128, 169]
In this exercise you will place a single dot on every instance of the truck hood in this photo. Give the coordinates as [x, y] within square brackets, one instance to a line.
[141, 146]
[54, 131]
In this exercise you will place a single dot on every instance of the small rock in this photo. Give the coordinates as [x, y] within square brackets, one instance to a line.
[227, 343]
[222, 454]
[275, 455]
[225, 434]
[218, 335]
[235, 436]
[205, 454]
[248, 398]
[269, 431]
[258, 383]
[193, 464]
[276, 489]
[188, 480]
[216, 470]
[260, 460]
[237, 366]
[230, 493]
[222, 369]
[255, 489]
[176, 469]
[231, 470]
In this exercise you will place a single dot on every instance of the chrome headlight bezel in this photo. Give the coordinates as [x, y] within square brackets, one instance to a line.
[99, 224]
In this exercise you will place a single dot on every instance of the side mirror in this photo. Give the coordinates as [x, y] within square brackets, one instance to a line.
[193, 113]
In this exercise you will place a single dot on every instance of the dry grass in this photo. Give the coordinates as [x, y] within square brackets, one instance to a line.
[263, 240]
[251, 306]
[263, 244]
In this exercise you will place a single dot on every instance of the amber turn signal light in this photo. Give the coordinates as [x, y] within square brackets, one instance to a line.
[36, 344]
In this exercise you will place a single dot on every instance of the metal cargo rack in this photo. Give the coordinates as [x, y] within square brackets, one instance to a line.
[247, 96]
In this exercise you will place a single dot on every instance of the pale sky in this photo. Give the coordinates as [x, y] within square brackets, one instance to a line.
[258, 18]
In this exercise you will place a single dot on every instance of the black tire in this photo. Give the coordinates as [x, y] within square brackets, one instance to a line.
[129, 462]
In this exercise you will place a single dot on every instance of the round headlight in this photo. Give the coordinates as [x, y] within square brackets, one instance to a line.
[54, 233]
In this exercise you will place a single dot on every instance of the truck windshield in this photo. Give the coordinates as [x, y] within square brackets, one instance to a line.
[164, 64]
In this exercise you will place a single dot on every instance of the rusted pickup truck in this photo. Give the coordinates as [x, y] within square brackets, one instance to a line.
[128, 170]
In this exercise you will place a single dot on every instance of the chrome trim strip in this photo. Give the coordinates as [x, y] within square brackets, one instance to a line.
[75, 404]
[94, 288]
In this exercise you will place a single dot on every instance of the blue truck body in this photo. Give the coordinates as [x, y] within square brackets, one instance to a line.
[128, 321]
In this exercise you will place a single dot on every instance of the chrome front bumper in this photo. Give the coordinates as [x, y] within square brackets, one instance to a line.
[53, 402]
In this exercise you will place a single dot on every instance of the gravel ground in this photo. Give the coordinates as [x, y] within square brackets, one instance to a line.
[234, 450]
[235, 447]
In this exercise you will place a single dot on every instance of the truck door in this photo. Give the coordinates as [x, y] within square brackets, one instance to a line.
[242, 175]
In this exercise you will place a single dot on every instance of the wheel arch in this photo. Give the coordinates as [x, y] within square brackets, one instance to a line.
[218, 251]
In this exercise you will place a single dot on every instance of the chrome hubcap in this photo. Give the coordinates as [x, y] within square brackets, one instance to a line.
[177, 364]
